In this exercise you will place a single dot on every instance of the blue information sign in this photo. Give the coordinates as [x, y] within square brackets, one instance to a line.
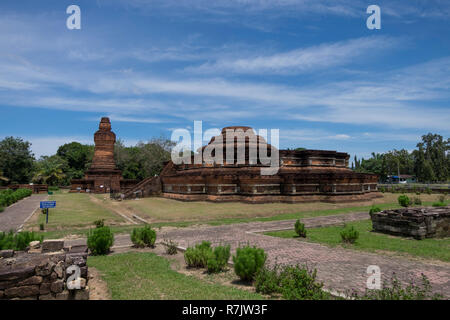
[48, 204]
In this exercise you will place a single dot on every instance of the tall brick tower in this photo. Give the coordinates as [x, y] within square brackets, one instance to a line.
[103, 170]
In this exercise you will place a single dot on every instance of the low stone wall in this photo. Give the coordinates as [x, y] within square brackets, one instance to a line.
[45, 272]
[420, 223]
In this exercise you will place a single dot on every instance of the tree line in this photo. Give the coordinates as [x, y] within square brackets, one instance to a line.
[429, 162]
[19, 166]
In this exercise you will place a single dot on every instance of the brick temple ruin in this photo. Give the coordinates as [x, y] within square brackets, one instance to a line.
[103, 176]
[303, 176]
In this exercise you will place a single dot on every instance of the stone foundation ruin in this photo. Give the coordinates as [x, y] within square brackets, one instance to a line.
[42, 273]
[419, 223]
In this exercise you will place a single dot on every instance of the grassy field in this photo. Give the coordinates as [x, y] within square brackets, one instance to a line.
[146, 276]
[438, 249]
[74, 210]
[167, 210]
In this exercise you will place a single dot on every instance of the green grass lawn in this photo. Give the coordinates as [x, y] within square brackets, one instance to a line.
[371, 241]
[146, 276]
[74, 210]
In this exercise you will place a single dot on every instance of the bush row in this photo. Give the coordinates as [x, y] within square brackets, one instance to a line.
[17, 241]
[8, 196]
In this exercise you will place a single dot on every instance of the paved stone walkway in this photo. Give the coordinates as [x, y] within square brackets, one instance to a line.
[340, 269]
[15, 215]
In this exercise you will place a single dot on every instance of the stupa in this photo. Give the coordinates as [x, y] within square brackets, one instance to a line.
[103, 176]
[303, 176]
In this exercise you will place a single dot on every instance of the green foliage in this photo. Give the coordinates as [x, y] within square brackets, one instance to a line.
[441, 198]
[374, 209]
[267, 280]
[100, 240]
[349, 235]
[41, 227]
[248, 261]
[439, 204]
[8, 196]
[2, 209]
[428, 190]
[292, 282]
[417, 201]
[99, 223]
[18, 241]
[300, 229]
[395, 291]
[382, 189]
[143, 237]
[16, 161]
[50, 170]
[404, 200]
[171, 248]
[197, 257]
[143, 160]
[218, 261]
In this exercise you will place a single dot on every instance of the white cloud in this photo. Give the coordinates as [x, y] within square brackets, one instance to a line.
[326, 55]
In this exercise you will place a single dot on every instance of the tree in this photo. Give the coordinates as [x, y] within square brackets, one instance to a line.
[16, 160]
[143, 160]
[50, 170]
[78, 158]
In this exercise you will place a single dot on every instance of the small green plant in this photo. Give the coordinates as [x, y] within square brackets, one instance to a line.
[300, 229]
[441, 198]
[99, 223]
[41, 227]
[382, 189]
[300, 283]
[428, 190]
[218, 261]
[404, 200]
[439, 204]
[248, 261]
[171, 247]
[17, 241]
[292, 282]
[143, 237]
[267, 280]
[100, 240]
[349, 235]
[197, 257]
[417, 201]
[374, 209]
[394, 290]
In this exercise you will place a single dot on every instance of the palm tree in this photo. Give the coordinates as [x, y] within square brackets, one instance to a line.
[50, 171]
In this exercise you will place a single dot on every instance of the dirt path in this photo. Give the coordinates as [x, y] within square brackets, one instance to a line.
[15, 216]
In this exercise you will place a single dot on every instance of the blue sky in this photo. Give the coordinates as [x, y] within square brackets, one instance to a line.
[307, 67]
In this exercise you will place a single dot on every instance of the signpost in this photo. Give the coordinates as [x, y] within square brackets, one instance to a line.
[46, 205]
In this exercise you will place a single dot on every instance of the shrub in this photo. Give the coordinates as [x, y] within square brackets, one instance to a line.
[41, 227]
[197, 257]
[439, 204]
[248, 261]
[300, 283]
[100, 240]
[217, 261]
[300, 229]
[417, 201]
[428, 190]
[19, 241]
[349, 235]
[382, 189]
[267, 280]
[143, 237]
[8, 196]
[404, 200]
[99, 223]
[441, 198]
[374, 209]
[171, 247]
[394, 290]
